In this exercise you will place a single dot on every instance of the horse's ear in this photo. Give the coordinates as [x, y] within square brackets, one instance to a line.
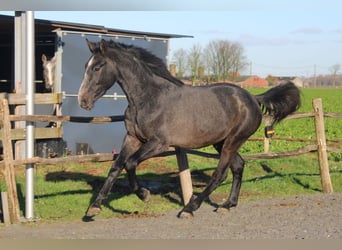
[92, 46]
[103, 46]
[44, 59]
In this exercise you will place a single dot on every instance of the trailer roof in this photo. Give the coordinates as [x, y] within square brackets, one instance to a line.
[7, 24]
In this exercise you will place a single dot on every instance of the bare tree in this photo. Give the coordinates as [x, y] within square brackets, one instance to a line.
[180, 58]
[220, 60]
[239, 61]
[207, 64]
[335, 70]
[194, 62]
[224, 59]
[214, 59]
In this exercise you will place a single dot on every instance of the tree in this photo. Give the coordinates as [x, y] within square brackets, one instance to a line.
[239, 61]
[215, 51]
[220, 60]
[194, 62]
[180, 58]
[207, 62]
[224, 58]
[335, 70]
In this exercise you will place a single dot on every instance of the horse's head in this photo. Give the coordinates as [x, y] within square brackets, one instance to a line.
[49, 71]
[99, 75]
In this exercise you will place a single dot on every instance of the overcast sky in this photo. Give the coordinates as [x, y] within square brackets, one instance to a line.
[281, 38]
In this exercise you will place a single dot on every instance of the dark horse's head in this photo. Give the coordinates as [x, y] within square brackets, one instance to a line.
[100, 75]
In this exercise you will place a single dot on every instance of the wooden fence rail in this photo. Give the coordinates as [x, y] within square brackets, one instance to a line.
[8, 163]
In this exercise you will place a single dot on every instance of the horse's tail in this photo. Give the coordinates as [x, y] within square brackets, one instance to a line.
[280, 101]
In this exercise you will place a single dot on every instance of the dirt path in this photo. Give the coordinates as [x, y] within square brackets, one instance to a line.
[301, 217]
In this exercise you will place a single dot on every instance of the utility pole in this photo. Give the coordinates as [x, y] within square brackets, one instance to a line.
[315, 79]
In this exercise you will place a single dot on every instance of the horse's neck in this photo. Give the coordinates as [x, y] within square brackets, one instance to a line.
[144, 87]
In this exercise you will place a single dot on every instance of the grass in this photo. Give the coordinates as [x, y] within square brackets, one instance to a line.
[63, 192]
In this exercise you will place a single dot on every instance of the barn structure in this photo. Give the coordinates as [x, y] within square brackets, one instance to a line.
[68, 42]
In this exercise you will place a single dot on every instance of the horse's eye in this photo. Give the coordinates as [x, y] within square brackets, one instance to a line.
[98, 67]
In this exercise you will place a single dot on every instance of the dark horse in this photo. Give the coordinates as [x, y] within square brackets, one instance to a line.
[163, 112]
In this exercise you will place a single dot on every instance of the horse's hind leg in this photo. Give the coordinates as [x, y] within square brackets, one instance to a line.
[237, 168]
[218, 177]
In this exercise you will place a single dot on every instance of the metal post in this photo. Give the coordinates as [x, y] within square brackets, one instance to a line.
[30, 89]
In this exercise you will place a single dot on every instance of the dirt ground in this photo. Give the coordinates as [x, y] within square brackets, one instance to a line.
[301, 217]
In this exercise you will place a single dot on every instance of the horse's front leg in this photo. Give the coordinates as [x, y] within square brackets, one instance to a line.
[129, 146]
[95, 207]
[129, 162]
[146, 151]
[141, 192]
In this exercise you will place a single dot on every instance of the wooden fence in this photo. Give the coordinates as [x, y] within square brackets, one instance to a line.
[7, 164]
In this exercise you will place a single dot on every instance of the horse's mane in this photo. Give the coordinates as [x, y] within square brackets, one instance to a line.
[149, 60]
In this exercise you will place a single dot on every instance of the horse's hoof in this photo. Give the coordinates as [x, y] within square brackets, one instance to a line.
[221, 210]
[185, 215]
[144, 194]
[92, 211]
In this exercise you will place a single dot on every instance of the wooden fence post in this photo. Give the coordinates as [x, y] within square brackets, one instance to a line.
[5, 210]
[173, 69]
[8, 169]
[322, 146]
[267, 139]
[184, 174]
[266, 145]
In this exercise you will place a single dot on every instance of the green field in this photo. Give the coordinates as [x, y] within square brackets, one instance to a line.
[304, 127]
[63, 192]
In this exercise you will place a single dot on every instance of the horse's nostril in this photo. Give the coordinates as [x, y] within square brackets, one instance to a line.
[84, 103]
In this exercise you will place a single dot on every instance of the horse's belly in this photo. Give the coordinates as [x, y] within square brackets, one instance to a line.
[197, 138]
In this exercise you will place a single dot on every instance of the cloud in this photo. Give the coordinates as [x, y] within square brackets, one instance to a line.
[250, 40]
[307, 30]
[209, 32]
[338, 41]
[338, 31]
[215, 32]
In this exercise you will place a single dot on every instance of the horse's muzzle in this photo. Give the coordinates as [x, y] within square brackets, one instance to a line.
[85, 103]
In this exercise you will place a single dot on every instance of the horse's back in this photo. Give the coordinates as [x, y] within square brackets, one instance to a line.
[239, 104]
[201, 116]
[233, 99]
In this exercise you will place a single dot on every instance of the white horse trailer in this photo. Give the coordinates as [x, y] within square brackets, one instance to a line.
[68, 42]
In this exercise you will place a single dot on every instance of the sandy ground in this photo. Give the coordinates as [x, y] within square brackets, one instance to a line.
[301, 217]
